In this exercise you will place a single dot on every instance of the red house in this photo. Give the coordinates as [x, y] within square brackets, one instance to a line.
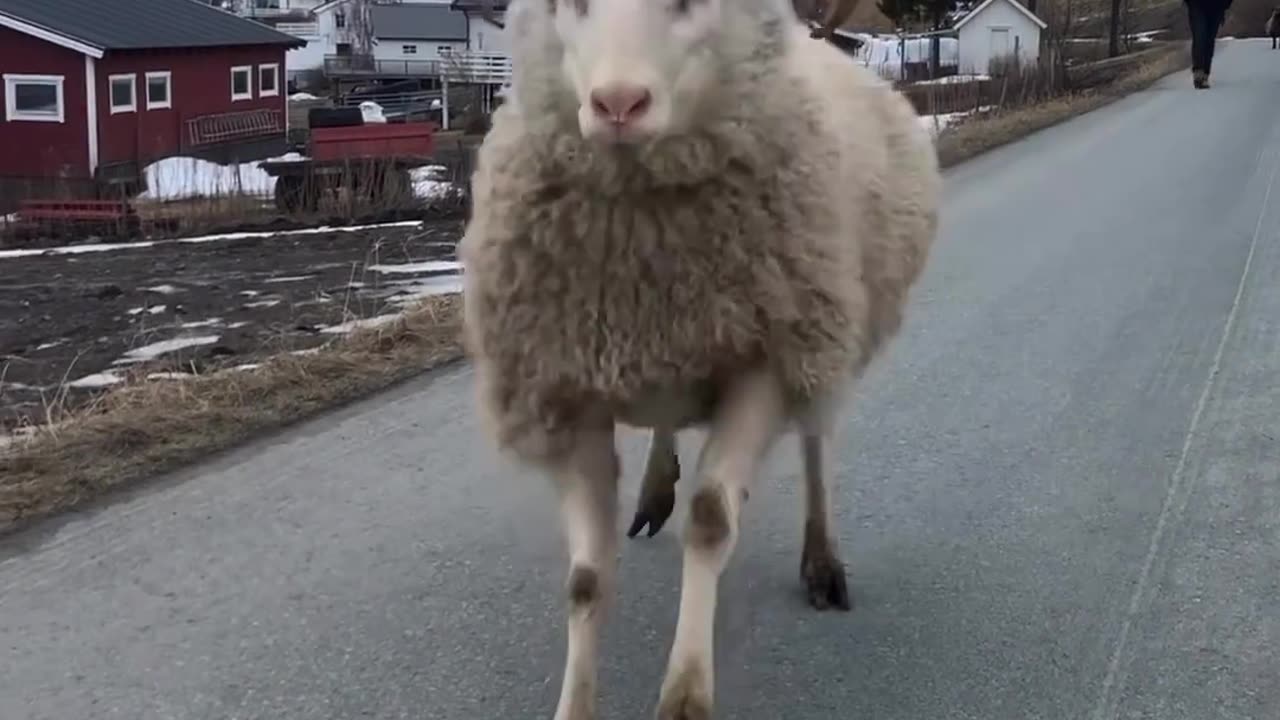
[95, 89]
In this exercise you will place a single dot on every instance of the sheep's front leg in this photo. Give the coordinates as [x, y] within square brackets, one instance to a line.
[587, 481]
[658, 488]
[740, 437]
[820, 565]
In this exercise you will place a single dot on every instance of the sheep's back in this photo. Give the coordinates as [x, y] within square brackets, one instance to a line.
[888, 156]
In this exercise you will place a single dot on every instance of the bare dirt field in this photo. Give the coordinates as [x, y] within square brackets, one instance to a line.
[76, 319]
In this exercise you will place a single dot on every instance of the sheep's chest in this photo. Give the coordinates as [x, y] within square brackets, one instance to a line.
[648, 295]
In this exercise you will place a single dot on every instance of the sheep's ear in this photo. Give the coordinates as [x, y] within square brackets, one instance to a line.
[838, 11]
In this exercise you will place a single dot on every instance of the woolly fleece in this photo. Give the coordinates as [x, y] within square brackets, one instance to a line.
[782, 230]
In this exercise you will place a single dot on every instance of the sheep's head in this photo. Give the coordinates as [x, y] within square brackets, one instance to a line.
[639, 69]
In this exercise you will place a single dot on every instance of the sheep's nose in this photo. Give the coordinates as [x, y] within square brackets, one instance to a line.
[620, 104]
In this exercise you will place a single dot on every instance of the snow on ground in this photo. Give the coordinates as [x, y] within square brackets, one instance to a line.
[164, 347]
[180, 178]
[107, 247]
[97, 380]
[362, 323]
[427, 287]
[420, 267]
[937, 123]
[427, 184]
[302, 97]
[952, 79]
[153, 310]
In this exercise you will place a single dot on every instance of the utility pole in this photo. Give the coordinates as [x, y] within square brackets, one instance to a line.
[1113, 46]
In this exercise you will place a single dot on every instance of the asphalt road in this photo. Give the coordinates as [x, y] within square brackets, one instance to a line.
[1058, 495]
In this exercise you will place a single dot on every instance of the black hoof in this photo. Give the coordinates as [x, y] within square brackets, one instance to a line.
[828, 588]
[823, 574]
[652, 510]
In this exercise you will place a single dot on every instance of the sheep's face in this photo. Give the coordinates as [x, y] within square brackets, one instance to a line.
[640, 69]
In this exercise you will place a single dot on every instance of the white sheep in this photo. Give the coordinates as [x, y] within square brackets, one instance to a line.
[689, 213]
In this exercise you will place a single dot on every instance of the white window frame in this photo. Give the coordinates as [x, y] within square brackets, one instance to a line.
[248, 83]
[11, 111]
[275, 71]
[111, 95]
[168, 89]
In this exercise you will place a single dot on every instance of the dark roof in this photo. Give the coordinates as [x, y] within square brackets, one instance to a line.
[139, 24]
[418, 22]
[496, 6]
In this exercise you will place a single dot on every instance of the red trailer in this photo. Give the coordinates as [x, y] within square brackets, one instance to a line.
[370, 161]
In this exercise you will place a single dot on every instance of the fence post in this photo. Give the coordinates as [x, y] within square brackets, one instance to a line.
[444, 101]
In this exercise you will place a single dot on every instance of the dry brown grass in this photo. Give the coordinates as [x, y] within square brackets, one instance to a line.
[144, 428]
[985, 132]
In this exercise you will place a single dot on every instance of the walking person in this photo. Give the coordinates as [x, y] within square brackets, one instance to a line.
[1273, 27]
[1205, 17]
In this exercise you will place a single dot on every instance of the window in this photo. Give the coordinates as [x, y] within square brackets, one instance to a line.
[124, 93]
[33, 98]
[268, 80]
[409, 49]
[340, 19]
[344, 49]
[159, 90]
[242, 82]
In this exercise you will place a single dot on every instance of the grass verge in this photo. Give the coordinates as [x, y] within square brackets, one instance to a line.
[975, 136]
[145, 428]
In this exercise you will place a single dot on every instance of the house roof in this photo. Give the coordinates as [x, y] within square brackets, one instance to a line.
[987, 3]
[496, 6]
[95, 26]
[418, 21]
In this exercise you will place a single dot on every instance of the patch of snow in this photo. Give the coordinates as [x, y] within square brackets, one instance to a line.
[372, 112]
[179, 178]
[262, 304]
[288, 157]
[169, 376]
[308, 351]
[426, 183]
[106, 247]
[302, 97]
[238, 324]
[419, 267]
[97, 380]
[201, 323]
[247, 366]
[251, 293]
[288, 279]
[954, 79]
[362, 323]
[153, 310]
[48, 345]
[163, 289]
[937, 123]
[442, 285]
[155, 350]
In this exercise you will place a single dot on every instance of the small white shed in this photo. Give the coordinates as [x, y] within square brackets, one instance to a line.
[995, 29]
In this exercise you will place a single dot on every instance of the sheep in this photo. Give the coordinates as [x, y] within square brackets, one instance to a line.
[687, 214]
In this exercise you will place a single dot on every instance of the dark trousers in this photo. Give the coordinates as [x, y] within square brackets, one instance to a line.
[1205, 19]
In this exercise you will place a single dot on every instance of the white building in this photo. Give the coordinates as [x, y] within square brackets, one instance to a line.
[418, 31]
[997, 29]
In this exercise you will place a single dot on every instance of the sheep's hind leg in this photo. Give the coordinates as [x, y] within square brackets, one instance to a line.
[747, 425]
[820, 565]
[658, 488]
[587, 482]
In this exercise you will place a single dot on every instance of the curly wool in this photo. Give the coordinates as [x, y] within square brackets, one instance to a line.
[783, 233]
